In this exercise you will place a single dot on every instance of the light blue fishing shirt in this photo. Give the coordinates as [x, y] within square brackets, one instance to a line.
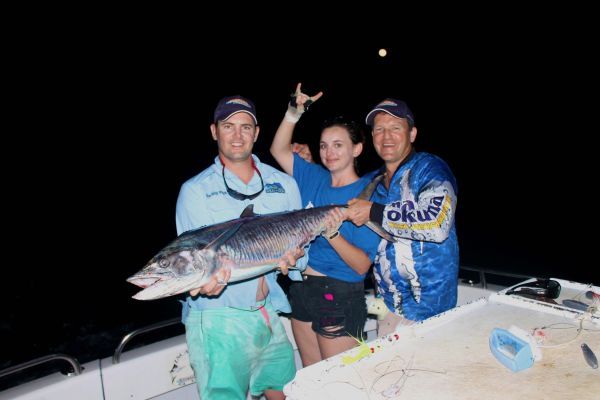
[203, 201]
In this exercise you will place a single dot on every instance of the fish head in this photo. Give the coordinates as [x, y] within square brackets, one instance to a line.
[171, 273]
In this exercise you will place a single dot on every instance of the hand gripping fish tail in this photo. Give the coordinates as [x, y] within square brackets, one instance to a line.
[366, 195]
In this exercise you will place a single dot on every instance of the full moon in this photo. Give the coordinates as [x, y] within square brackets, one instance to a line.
[382, 52]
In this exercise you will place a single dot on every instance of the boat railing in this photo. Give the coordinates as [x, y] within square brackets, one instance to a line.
[483, 272]
[145, 329]
[42, 360]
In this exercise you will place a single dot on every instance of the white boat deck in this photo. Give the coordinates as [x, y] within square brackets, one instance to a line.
[161, 370]
[448, 357]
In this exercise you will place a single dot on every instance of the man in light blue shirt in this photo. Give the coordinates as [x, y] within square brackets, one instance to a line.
[235, 339]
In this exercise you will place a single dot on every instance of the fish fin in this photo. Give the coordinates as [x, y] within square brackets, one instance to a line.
[225, 236]
[370, 188]
[248, 211]
[366, 195]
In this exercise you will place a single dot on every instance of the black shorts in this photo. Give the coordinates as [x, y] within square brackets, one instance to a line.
[335, 308]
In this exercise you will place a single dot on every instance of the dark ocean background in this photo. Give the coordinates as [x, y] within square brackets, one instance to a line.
[107, 123]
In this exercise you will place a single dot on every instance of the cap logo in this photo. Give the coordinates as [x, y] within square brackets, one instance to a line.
[239, 101]
[387, 103]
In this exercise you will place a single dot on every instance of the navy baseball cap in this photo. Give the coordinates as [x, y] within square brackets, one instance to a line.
[233, 105]
[394, 107]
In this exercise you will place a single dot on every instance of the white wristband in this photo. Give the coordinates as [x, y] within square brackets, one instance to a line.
[292, 117]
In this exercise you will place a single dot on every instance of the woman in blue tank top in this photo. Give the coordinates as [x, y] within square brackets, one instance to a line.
[328, 307]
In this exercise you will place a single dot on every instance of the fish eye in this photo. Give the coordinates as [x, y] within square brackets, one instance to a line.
[164, 263]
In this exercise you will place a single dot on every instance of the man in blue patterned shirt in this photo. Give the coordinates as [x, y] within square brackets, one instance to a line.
[417, 276]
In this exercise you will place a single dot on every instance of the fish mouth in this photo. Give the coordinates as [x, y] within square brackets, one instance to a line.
[153, 287]
[144, 281]
[156, 287]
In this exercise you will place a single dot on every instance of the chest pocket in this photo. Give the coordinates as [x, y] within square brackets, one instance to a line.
[223, 210]
[274, 199]
[270, 203]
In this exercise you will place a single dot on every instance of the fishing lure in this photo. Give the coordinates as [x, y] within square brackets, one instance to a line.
[589, 356]
[362, 351]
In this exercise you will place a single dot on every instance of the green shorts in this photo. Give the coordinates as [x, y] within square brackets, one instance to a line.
[232, 350]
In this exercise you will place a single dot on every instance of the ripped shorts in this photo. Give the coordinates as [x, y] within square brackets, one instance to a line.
[335, 308]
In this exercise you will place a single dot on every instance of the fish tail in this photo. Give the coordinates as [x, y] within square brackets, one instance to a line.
[366, 194]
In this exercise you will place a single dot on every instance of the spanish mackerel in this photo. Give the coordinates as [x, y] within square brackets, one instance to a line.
[250, 246]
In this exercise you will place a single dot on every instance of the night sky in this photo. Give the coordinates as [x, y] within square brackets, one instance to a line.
[108, 125]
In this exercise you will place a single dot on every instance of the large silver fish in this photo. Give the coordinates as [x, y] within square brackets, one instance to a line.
[250, 245]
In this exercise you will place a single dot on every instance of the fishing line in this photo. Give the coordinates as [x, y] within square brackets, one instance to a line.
[394, 388]
[580, 329]
[539, 335]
